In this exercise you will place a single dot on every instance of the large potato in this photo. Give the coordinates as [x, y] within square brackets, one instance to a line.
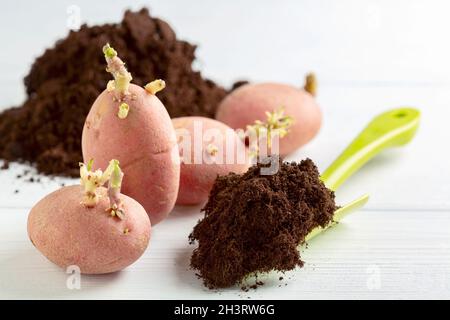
[250, 102]
[142, 139]
[69, 233]
[196, 179]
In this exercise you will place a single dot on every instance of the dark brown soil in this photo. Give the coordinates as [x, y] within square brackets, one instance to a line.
[64, 82]
[254, 223]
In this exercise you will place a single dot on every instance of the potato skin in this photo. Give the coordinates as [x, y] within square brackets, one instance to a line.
[196, 180]
[144, 143]
[68, 233]
[250, 102]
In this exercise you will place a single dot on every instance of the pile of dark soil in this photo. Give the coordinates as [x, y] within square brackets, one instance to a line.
[64, 82]
[254, 223]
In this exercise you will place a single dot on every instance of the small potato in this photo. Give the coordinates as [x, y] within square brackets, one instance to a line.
[69, 233]
[204, 145]
[250, 102]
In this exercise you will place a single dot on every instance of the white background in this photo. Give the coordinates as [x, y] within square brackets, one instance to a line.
[369, 56]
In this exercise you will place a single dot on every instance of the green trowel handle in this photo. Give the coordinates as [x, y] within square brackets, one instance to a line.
[392, 128]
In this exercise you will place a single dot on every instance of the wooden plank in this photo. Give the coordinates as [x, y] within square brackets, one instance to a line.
[372, 254]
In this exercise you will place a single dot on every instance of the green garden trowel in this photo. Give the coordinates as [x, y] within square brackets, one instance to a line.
[390, 129]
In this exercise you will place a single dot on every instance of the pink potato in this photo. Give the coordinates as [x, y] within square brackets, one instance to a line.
[87, 234]
[250, 102]
[129, 123]
[197, 178]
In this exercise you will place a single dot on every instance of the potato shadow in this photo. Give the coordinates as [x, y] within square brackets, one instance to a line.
[185, 211]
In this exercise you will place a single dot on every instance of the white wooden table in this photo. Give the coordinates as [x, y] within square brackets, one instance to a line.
[369, 56]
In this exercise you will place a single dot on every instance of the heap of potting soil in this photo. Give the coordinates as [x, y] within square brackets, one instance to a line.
[64, 82]
[254, 223]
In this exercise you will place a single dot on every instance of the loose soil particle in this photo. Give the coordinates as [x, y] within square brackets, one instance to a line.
[64, 82]
[254, 223]
[4, 166]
